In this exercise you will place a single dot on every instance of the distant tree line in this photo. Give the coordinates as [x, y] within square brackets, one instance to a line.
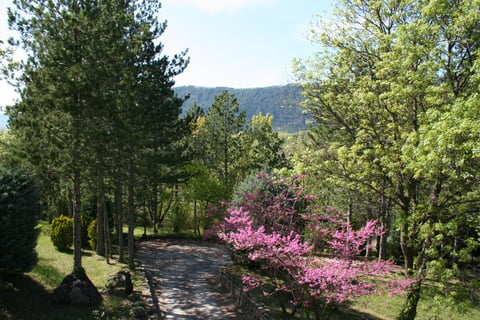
[282, 102]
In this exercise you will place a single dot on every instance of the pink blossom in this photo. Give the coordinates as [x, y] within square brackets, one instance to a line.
[268, 228]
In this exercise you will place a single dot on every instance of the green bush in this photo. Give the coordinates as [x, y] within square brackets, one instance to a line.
[86, 221]
[138, 311]
[61, 232]
[19, 213]
[92, 234]
[180, 218]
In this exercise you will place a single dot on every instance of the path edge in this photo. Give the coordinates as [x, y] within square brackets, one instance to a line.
[246, 302]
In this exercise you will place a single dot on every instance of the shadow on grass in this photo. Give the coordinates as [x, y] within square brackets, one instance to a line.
[345, 312]
[48, 274]
[70, 252]
[23, 298]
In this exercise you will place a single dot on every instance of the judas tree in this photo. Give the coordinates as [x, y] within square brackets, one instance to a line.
[279, 233]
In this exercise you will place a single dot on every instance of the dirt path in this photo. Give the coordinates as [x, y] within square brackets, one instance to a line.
[183, 273]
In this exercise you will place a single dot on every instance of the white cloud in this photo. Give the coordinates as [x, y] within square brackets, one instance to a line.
[219, 6]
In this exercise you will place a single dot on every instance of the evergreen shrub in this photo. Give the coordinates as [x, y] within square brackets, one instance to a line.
[86, 221]
[19, 214]
[61, 232]
[92, 234]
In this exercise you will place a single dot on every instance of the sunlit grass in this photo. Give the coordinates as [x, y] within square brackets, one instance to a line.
[53, 265]
[28, 296]
[388, 307]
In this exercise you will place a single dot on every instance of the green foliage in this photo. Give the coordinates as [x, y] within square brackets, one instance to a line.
[202, 185]
[92, 234]
[86, 221]
[61, 232]
[96, 99]
[224, 125]
[19, 212]
[262, 146]
[180, 217]
[138, 312]
[395, 98]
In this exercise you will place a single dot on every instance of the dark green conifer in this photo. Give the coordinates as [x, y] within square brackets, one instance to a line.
[19, 212]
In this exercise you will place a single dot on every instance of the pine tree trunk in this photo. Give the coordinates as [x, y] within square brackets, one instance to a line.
[155, 208]
[77, 225]
[119, 213]
[131, 217]
[106, 229]
[100, 249]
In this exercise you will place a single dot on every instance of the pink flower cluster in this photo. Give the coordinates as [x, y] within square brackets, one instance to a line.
[268, 230]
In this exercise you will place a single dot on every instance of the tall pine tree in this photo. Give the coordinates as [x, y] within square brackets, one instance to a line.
[95, 91]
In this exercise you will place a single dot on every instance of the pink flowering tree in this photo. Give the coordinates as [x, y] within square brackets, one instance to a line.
[268, 226]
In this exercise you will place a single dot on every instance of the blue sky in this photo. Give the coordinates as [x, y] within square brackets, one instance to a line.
[232, 43]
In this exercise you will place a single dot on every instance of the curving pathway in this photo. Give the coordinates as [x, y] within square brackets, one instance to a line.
[183, 274]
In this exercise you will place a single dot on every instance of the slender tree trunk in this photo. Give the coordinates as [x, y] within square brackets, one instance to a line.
[100, 217]
[405, 231]
[131, 217]
[106, 229]
[144, 216]
[77, 225]
[70, 203]
[409, 311]
[119, 213]
[196, 229]
[76, 129]
[407, 250]
[382, 250]
[349, 213]
[225, 165]
[155, 207]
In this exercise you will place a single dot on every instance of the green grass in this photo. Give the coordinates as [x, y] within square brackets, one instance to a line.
[53, 265]
[28, 296]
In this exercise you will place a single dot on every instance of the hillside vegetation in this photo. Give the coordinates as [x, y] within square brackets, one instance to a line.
[282, 102]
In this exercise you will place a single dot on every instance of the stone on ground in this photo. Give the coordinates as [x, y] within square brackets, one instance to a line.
[119, 284]
[76, 289]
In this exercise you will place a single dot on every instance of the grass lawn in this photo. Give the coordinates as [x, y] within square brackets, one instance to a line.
[386, 307]
[27, 296]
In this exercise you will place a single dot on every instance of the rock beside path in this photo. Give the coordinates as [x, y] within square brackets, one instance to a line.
[76, 289]
[119, 284]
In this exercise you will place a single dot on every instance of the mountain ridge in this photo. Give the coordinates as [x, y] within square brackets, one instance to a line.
[282, 102]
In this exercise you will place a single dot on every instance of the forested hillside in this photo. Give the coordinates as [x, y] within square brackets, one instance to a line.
[282, 102]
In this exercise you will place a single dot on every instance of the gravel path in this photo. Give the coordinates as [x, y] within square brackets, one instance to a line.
[184, 277]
